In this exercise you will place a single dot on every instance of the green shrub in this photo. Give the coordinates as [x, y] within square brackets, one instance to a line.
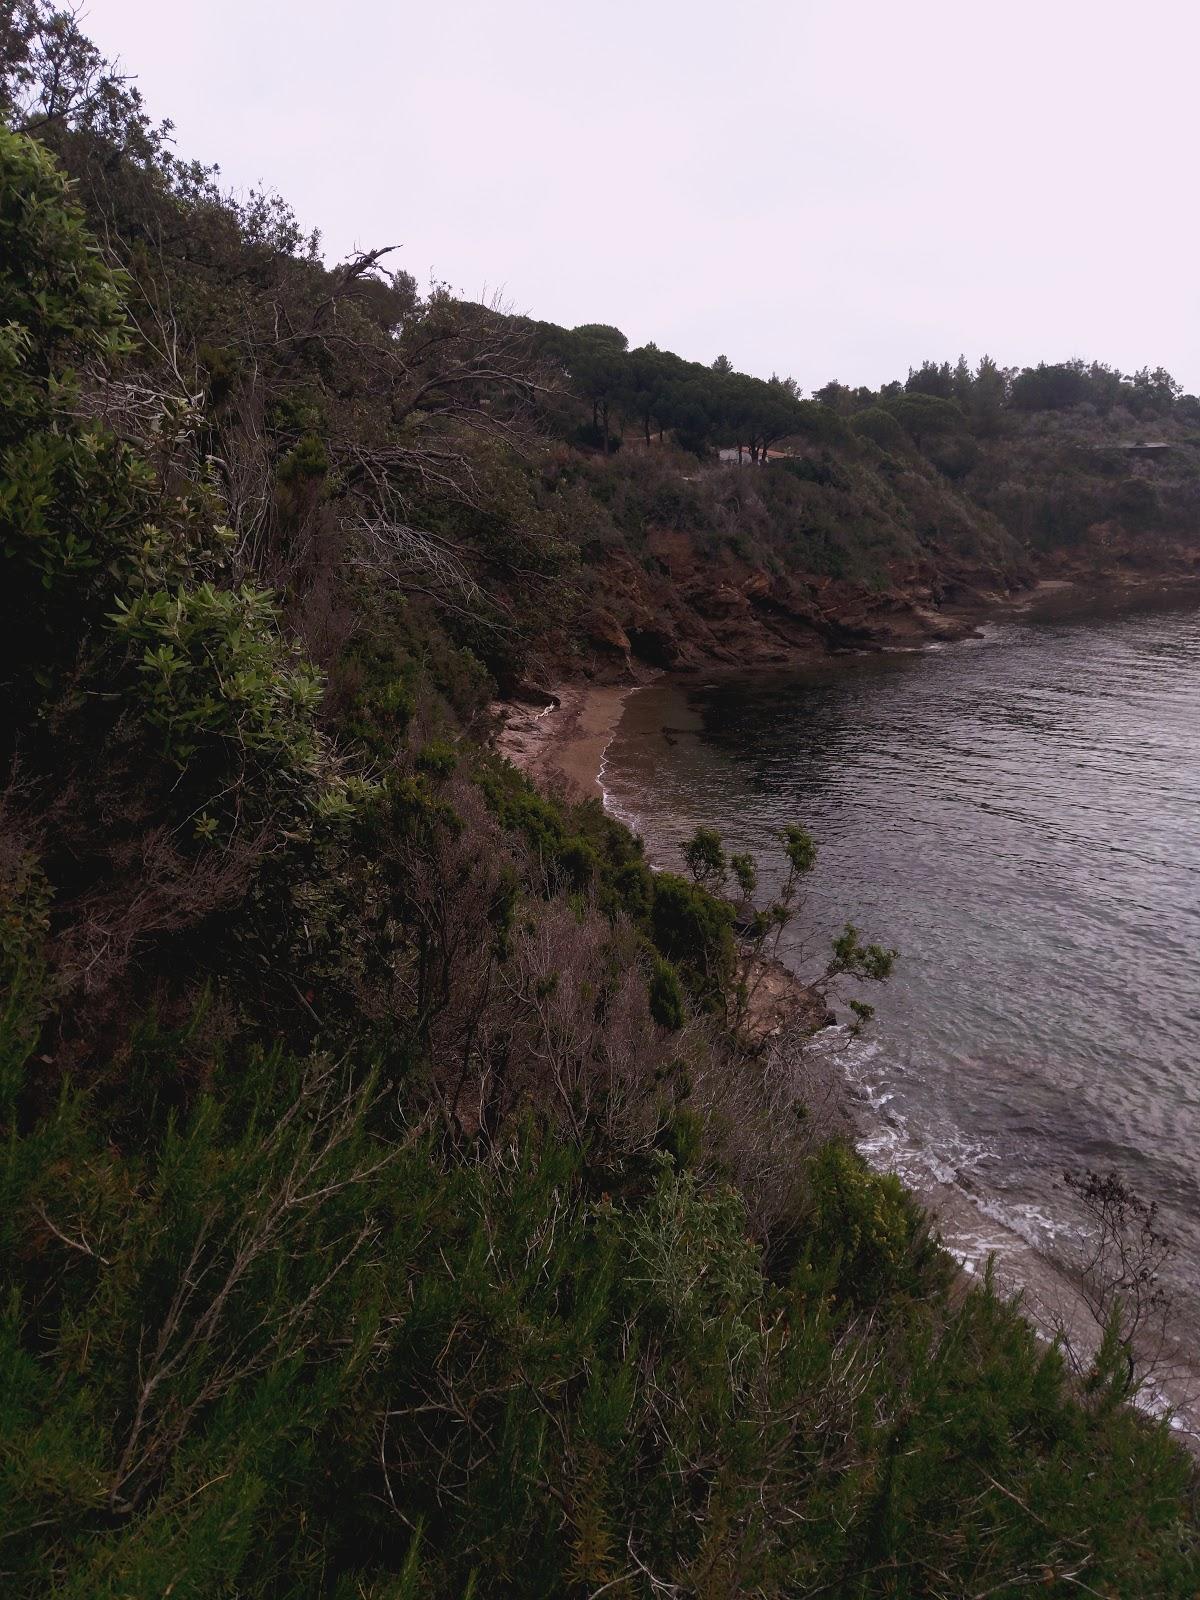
[576, 858]
[862, 1221]
[694, 931]
[72, 498]
[633, 890]
[684, 1138]
[233, 710]
[437, 758]
[666, 994]
[308, 458]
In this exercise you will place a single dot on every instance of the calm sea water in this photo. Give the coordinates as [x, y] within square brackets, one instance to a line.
[1020, 817]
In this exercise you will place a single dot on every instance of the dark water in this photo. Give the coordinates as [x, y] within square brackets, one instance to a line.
[1020, 817]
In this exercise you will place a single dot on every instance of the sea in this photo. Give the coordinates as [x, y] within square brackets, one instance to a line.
[1018, 815]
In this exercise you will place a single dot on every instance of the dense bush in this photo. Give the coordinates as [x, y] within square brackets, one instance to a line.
[281, 1349]
[72, 498]
[694, 931]
[229, 710]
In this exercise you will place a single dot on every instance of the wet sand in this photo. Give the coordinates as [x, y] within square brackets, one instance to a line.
[562, 745]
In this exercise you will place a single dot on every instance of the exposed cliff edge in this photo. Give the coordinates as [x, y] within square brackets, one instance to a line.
[691, 608]
[694, 609]
[839, 547]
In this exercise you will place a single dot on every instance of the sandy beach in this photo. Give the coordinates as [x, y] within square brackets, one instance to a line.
[562, 745]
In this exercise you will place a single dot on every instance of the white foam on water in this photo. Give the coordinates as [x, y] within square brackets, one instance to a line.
[944, 1166]
[1021, 1238]
[1029, 1221]
[605, 799]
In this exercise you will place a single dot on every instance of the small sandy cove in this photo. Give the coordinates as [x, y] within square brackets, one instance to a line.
[562, 745]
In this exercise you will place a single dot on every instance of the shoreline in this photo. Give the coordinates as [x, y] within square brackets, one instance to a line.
[559, 736]
[562, 743]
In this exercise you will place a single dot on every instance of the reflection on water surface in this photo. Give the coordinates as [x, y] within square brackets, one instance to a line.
[1020, 817]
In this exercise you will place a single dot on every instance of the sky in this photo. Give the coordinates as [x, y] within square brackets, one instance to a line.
[821, 188]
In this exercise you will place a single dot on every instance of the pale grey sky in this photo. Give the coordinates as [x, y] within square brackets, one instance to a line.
[827, 188]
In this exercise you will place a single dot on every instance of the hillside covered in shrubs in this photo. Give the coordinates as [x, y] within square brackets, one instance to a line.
[394, 1201]
[727, 518]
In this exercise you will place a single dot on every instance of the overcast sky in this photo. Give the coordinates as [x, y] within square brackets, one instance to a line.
[826, 188]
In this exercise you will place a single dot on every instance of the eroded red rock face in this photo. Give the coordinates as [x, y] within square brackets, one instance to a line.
[686, 605]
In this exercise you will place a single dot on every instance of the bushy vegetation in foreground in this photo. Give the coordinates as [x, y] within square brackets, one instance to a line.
[388, 1203]
[280, 1347]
